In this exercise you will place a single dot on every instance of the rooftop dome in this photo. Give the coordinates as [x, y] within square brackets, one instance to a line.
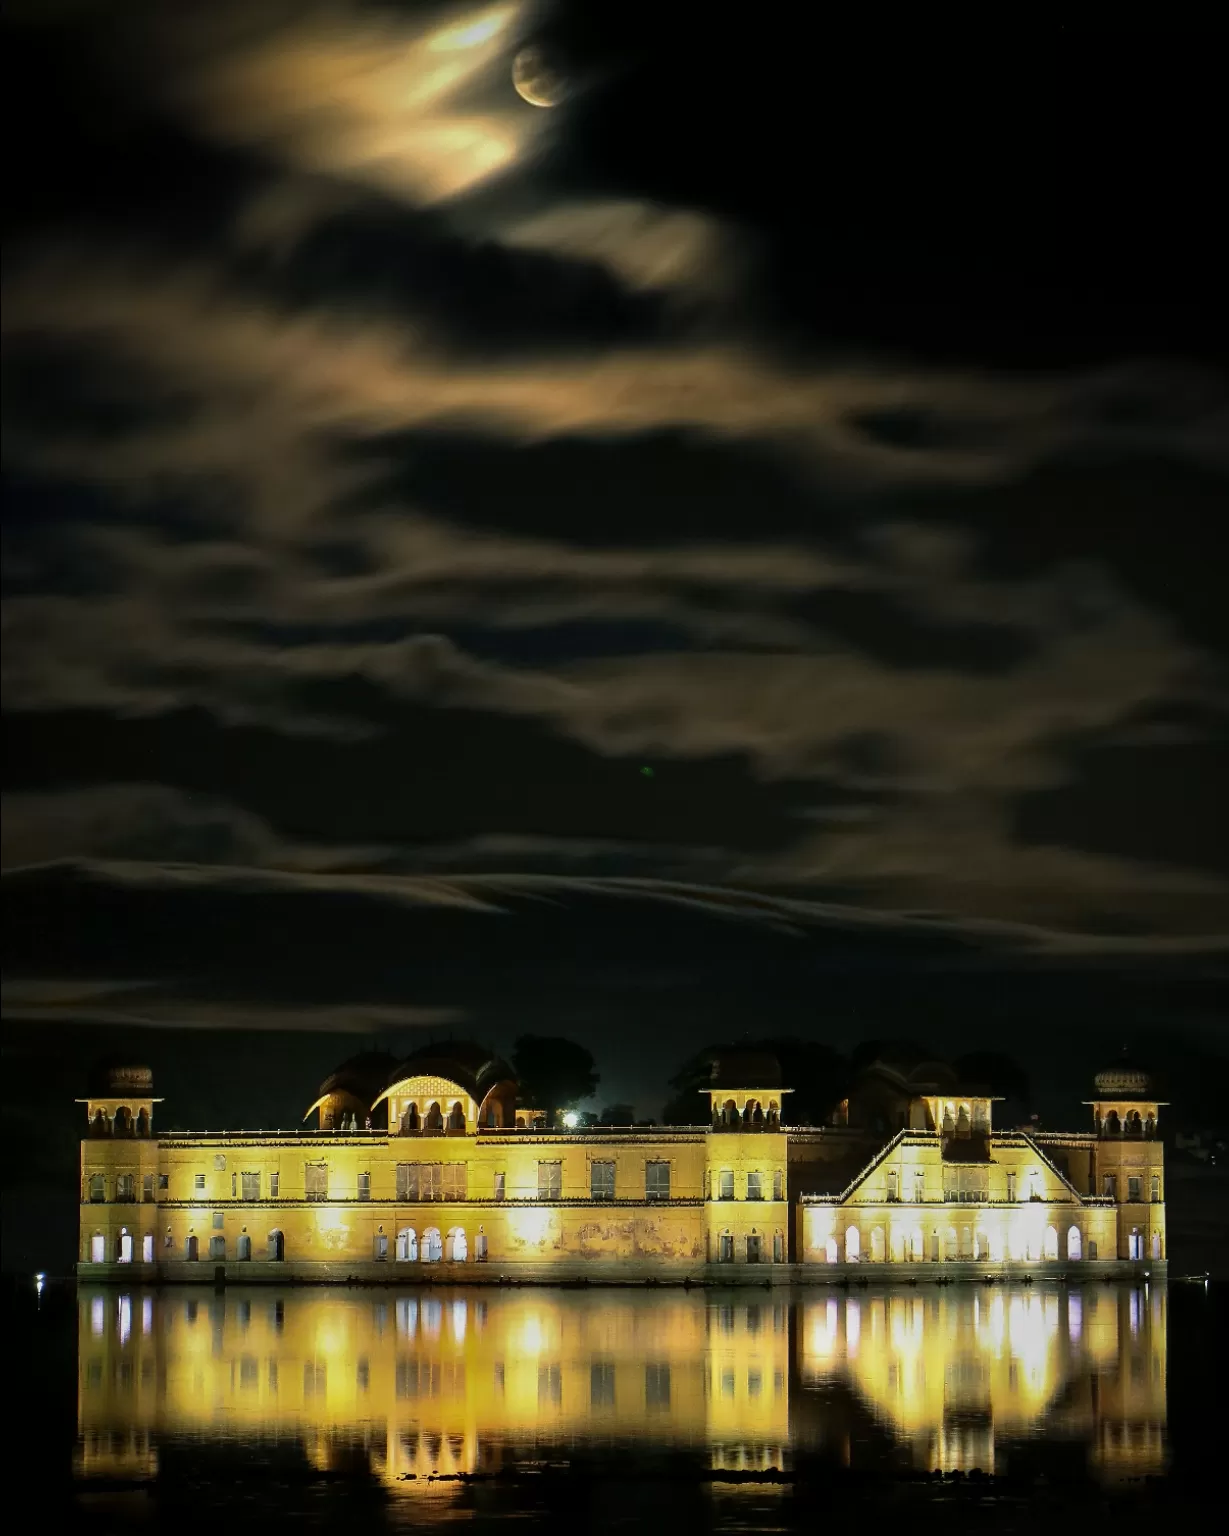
[1124, 1080]
[745, 1067]
[472, 1067]
[115, 1078]
[363, 1076]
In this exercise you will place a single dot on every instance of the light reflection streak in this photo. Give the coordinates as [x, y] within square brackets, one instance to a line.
[953, 1375]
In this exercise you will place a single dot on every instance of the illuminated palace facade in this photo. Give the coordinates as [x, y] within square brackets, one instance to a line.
[429, 1162]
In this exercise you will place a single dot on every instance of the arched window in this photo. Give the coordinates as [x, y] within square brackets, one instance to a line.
[730, 1112]
[853, 1245]
[434, 1120]
[123, 1121]
[192, 1248]
[1074, 1243]
[277, 1246]
[456, 1119]
[432, 1250]
[143, 1122]
[1135, 1124]
[457, 1247]
[1150, 1126]
[1050, 1249]
[1113, 1126]
[407, 1246]
[1135, 1244]
[409, 1119]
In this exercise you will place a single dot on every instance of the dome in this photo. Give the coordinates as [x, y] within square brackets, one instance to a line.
[471, 1067]
[362, 1076]
[743, 1067]
[1124, 1080]
[116, 1078]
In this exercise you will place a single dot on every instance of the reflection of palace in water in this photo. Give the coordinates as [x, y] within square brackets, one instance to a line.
[433, 1380]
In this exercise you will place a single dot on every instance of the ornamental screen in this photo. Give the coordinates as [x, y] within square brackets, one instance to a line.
[431, 1181]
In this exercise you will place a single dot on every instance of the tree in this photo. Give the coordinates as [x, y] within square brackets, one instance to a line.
[553, 1074]
[997, 1071]
[618, 1114]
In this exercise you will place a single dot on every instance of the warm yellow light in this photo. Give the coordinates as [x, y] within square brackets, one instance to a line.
[530, 1226]
[470, 34]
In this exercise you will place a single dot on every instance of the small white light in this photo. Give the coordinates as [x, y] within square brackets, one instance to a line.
[571, 1120]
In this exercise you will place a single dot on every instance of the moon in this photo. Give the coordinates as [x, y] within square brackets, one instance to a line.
[537, 80]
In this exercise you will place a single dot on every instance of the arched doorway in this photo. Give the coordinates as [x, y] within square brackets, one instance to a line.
[432, 1246]
[1050, 1249]
[434, 1120]
[1075, 1245]
[457, 1248]
[832, 1252]
[778, 1247]
[192, 1248]
[1113, 1125]
[99, 1125]
[217, 1247]
[480, 1245]
[981, 1246]
[966, 1243]
[878, 1246]
[456, 1120]
[725, 1248]
[409, 1119]
[277, 1246]
[1135, 1244]
[123, 1121]
[1156, 1245]
[407, 1246]
[730, 1113]
[125, 1246]
[245, 1246]
[98, 1249]
[853, 1245]
[380, 1247]
[1135, 1124]
[143, 1122]
[950, 1244]
[917, 1249]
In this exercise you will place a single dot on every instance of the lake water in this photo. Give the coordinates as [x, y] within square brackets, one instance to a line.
[608, 1409]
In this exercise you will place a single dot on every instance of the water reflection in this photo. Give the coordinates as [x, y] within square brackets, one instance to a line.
[407, 1386]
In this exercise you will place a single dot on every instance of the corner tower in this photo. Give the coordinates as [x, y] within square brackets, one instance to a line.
[1130, 1159]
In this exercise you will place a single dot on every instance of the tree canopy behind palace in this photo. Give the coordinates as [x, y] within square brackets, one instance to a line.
[554, 1074]
[818, 1075]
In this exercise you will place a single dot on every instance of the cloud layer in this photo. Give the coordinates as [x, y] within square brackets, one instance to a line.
[389, 484]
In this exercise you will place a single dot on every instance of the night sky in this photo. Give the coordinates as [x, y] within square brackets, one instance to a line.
[736, 552]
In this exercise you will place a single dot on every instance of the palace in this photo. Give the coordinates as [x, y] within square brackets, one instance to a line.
[430, 1161]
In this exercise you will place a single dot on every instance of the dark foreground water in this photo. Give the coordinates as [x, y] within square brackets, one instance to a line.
[611, 1410]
